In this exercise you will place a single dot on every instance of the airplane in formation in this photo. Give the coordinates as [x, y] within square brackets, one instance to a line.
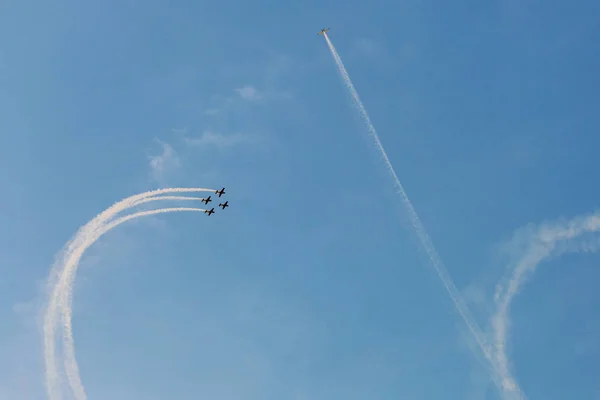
[322, 31]
[208, 199]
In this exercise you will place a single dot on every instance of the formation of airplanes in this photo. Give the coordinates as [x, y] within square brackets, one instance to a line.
[208, 200]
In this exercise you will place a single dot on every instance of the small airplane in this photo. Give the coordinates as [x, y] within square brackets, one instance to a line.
[211, 211]
[220, 192]
[226, 204]
[206, 200]
[322, 31]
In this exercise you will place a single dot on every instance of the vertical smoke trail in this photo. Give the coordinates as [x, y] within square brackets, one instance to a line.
[436, 261]
[63, 273]
[70, 362]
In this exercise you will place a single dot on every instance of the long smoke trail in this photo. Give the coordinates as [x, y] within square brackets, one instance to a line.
[63, 274]
[66, 296]
[541, 245]
[66, 300]
[416, 222]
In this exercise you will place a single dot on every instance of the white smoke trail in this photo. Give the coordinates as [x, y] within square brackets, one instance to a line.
[63, 273]
[130, 201]
[66, 303]
[66, 295]
[155, 198]
[436, 261]
[541, 245]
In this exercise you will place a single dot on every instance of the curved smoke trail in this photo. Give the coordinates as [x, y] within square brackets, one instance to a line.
[66, 303]
[422, 235]
[541, 245]
[63, 274]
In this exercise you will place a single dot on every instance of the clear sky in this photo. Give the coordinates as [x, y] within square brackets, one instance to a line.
[311, 286]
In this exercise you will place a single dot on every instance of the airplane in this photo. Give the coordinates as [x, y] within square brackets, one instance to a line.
[220, 192]
[211, 211]
[322, 31]
[206, 200]
[224, 204]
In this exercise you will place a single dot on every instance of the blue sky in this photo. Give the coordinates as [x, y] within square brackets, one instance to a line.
[312, 285]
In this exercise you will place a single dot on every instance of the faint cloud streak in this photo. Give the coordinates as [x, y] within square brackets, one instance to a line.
[249, 93]
[219, 140]
[211, 111]
[164, 164]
